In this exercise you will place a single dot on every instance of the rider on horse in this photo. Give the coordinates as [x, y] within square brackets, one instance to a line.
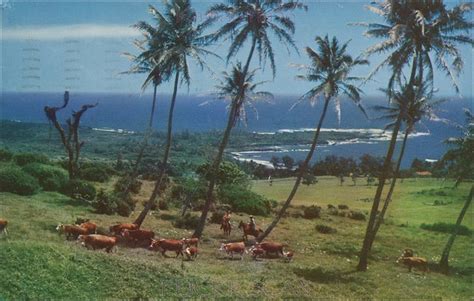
[252, 223]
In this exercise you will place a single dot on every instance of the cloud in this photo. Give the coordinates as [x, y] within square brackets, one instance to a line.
[76, 31]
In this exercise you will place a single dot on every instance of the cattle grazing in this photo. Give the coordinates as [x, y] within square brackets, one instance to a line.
[272, 247]
[191, 253]
[71, 231]
[248, 230]
[234, 247]
[411, 261]
[3, 226]
[97, 241]
[288, 256]
[164, 245]
[89, 226]
[138, 236]
[117, 229]
[256, 251]
[191, 241]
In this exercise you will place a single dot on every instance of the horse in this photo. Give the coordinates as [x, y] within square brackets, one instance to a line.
[247, 229]
[226, 227]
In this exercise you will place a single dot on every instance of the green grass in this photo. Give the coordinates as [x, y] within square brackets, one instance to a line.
[37, 263]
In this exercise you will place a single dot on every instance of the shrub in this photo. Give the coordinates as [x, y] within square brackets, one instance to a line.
[121, 184]
[324, 229]
[22, 159]
[110, 203]
[94, 174]
[312, 212]
[51, 178]
[5, 155]
[15, 180]
[188, 221]
[446, 228]
[79, 189]
[163, 205]
[244, 200]
[357, 215]
[342, 207]
[333, 211]
[216, 217]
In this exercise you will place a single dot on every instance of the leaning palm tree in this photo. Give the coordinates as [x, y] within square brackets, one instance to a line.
[240, 90]
[413, 32]
[330, 70]
[179, 39]
[255, 19]
[413, 107]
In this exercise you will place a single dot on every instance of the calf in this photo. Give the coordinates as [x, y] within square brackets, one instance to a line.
[71, 230]
[3, 226]
[256, 251]
[137, 236]
[97, 241]
[191, 253]
[164, 245]
[288, 256]
[89, 226]
[407, 253]
[234, 247]
[117, 229]
[271, 247]
[411, 261]
[191, 241]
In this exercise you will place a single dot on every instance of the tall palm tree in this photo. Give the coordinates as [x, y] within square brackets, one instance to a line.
[255, 19]
[238, 88]
[413, 32]
[178, 39]
[413, 107]
[330, 70]
[250, 19]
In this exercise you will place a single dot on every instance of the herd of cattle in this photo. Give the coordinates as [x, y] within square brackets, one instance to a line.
[86, 233]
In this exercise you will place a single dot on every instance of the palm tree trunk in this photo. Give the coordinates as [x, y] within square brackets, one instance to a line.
[370, 233]
[444, 262]
[220, 153]
[301, 173]
[388, 198]
[156, 190]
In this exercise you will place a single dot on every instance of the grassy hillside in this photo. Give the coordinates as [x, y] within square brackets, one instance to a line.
[39, 264]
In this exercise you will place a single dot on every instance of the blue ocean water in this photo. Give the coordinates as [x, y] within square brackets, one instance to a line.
[131, 112]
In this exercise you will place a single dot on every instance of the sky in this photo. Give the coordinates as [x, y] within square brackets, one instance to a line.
[50, 46]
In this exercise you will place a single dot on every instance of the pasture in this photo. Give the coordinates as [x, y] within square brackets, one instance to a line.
[37, 263]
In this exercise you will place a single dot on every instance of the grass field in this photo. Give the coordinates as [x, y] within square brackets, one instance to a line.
[39, 264]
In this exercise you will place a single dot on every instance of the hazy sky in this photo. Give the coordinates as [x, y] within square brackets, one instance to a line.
[51, 46]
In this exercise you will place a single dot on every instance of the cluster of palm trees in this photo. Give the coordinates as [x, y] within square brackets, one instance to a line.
[418, 35]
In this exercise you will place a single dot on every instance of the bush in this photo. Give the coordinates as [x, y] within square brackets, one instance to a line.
[22, 159]
[446, 228]
[188, 221]
[15, 180]
[51, 178]
[244, 200]
[216, 217]
[325, 229]
[94, 174]
[357, 215]
[333, 211]
[79, 189]
[111, 203]
[312, 212]
[121, 184]
[5, 155]
[342, 207]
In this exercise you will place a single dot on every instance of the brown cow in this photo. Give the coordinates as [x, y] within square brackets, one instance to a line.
[3, 226]
[191, 253]
[271, 247]
[89, 226]
[167, 245]
[407, 253]
[288, 256]
[234, 247]
[97, 241]
[191, 241]
[71, 230]
[411, 262]
[256, 251]
[138, 236]
[117, 229]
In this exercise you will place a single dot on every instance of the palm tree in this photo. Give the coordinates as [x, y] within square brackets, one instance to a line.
[250, 19]
[413, 108]
[462, 158]
[413, 31]
[255, 19]
[238, 88]
[178, 40]
[330, 69]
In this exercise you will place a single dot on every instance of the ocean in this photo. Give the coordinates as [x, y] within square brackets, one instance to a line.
[130, 112]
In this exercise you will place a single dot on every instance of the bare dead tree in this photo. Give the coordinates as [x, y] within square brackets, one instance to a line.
[70, 140]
